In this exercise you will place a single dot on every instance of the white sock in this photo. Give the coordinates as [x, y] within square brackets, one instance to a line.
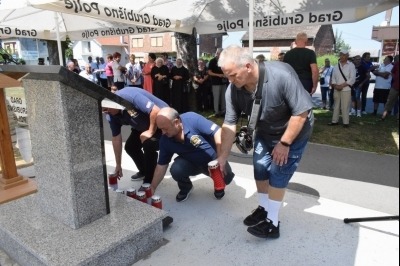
[263, 200]
[273, 212]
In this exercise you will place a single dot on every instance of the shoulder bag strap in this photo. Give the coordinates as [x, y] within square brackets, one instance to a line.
[255, 111]
[327, 72]
[345, 79]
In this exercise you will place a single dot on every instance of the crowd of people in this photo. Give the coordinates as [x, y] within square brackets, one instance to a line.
[274, 95]
[159, 76]
[347, 85]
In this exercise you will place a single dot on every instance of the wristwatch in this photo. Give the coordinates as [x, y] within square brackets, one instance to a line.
[284, 143]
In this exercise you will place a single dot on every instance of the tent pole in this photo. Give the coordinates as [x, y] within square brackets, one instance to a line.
[251, 25]
[58, 40]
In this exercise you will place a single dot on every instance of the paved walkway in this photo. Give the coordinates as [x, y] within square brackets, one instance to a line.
[207, 231]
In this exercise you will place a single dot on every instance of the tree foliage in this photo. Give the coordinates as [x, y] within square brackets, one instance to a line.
[340, 43]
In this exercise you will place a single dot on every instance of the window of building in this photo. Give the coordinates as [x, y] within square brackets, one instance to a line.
[11, 47]
[156, 41]
[137, 42]
[86, 47]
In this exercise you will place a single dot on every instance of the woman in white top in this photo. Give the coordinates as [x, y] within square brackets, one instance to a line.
[119, 71]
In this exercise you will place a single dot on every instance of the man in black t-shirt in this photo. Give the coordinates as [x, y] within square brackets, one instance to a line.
[304, 62]
[362, 78]
[219, 83]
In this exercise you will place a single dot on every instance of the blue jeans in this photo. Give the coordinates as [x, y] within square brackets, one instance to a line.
[364, 92]
[324, 93]
[182, 169]
[266, 169]
[356, 95]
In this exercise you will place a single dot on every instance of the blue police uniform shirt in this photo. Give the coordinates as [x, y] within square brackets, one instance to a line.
[198, 146]
[143, 102]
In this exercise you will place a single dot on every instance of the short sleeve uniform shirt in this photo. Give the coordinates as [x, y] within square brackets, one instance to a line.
[198, 146]
[143, 102]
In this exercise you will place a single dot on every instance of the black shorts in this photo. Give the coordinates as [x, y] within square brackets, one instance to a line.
[110, 81]
[380, 95]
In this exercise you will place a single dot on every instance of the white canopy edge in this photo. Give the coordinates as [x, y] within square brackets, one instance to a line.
[147, 23]
[129, 16]
[297, 19]
[10, 31]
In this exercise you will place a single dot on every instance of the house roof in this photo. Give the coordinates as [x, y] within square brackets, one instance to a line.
[112, 41]
[288, 33]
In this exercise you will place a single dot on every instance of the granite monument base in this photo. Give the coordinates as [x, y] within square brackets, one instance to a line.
[129, 232]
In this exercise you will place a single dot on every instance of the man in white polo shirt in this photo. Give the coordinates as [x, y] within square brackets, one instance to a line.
[343, 77]
[383, 82]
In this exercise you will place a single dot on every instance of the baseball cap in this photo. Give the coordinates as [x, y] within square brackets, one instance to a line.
[344, 51]
[106, 103]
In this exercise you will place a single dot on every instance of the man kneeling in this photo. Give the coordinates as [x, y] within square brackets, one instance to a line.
[196, 140]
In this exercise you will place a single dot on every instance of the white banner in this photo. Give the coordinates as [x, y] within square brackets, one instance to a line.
[289, 20]
[17, 106]
[188, 21]
[85, 20]
[8, 31]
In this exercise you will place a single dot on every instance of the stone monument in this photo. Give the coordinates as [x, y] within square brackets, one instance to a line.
[72, 219]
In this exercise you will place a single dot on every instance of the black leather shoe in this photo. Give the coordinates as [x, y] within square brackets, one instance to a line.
[333, 124]
[166, 221]
[345, 125]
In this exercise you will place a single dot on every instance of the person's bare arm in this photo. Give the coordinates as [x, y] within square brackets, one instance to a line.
[315, 77]
[158, 176]
[211, 73]
[384, 75]
[281, 150]
[217, 140]
[152, 127]
[228, 133]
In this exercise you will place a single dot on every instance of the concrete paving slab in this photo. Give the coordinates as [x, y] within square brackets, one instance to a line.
[207, 231]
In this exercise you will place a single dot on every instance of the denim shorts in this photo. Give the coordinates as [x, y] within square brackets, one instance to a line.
[266, 169]
[356, 94]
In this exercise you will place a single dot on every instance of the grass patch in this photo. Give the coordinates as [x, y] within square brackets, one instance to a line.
[365, 133]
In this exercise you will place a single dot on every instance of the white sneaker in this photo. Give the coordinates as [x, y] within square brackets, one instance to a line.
[364, 113]
[353, 112]
[358, 113]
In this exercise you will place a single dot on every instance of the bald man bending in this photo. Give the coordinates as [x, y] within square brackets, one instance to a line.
[196, 140]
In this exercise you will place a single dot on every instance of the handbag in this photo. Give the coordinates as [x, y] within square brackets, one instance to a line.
[322, 79]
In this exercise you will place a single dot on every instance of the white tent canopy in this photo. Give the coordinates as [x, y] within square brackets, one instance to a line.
[218, 16]
[23, 20]
[86, 20]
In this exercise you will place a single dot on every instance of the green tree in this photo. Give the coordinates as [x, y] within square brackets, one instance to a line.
[340, 43]
[69, 52]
